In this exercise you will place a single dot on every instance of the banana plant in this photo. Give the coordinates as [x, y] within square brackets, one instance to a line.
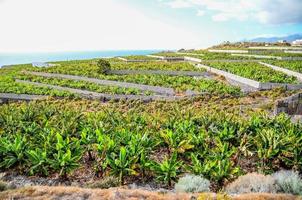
[105, 146]
[88, 140]
[38, 162]
[168, 170]
[175, 142]
[123, 164]
[269, 145]
[66, 157]
[13, 153]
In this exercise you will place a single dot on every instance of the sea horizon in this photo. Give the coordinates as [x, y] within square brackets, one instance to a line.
[25, 58]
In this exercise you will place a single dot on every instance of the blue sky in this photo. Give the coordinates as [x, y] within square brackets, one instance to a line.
[65, 25]
[253, 18]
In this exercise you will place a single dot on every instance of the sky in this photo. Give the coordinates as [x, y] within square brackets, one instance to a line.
[88, 25]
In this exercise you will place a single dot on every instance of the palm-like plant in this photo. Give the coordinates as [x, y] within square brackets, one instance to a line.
[168, 170]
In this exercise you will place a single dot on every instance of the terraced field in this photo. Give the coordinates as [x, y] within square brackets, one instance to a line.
[180, 83]
[88, 69]
[178, 66]
[210, 129]
[8, 84]
[139, 58]
[254, 71]
[291, 65]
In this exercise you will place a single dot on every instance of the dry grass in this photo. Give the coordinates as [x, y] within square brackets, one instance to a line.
[252, 183]
[67, 193]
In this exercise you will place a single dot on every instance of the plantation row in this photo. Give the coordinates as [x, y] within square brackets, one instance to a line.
[8, 85]
[179, 83]
[206, 55]
[134, 141]
[81, 85]
[139, 58]
[89, 69]
[291, 65]
[254, 71]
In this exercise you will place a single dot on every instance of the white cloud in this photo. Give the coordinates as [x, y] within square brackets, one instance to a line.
[264, 11]
[59, 25]
[200, 13]
[179, 4]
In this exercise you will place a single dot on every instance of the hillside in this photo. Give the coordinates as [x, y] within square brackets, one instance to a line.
[160, 126]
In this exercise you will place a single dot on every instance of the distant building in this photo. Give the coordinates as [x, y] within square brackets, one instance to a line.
[282, 41]
[42, 64]
[297, 42]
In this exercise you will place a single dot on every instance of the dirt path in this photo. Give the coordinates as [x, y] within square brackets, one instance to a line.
[73, 193]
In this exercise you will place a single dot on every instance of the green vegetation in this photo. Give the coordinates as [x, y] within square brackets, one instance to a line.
[8, 84]
[180, 83]
[103, 66]
[157, 141]
[139, 58]
[178, 66]
[253, 70]
[291, 65]
[80, 85]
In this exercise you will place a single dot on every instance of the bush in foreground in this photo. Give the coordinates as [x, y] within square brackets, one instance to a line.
[252, 183]
[288, 182]
[105, 183]
[103, 66]
[192, 184]
[3, 186]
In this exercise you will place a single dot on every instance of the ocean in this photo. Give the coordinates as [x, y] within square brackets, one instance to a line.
[24, 58]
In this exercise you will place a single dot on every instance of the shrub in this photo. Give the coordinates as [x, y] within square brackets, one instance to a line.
[105, 183]
[103, 66]
[192, 184]
[288, 182]
[3, 186]
[252, 183]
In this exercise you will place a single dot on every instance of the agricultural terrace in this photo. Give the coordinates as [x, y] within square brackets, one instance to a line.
[291, 65]
[179, 83]
[220, 135]
[9, 85]
[173, 66]
[279, 54]
[142, 58]
[254, 71]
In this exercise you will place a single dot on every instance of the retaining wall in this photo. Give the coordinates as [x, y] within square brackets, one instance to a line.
[155, 89]
[157, 72]
[227, 51]
[291, 58]
[136, 61]
[250, 82]
[193, 54]
[158, 57]
[268, 57]
[284, 70]
[114, 97]
[194, 60]
[122, 59]
[291, 105]
[5, 97]
[258, 56]
[231, 76]
[174, 59]
[293, 51]
[277, 48]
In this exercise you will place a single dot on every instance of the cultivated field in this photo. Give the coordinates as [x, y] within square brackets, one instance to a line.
[196, 127]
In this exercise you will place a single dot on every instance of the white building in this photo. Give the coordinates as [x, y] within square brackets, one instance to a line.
[42, 64]
[297, 42]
